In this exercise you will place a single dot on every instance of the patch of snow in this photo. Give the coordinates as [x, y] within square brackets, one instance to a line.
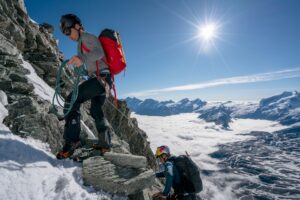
[33, 21]
[195, 106]
[22, 5]
[210, 105]
[87, 130]
[295, 111]
[41, 88]
[238, 108]
[3, 110]
[3, 98]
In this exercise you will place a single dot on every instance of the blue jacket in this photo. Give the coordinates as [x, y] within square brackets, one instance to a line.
[172, 177]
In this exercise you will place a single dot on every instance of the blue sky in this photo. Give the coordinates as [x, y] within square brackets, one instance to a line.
[255, 53]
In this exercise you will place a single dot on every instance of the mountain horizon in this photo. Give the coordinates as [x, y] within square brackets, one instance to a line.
[198, 98]
[284, 107]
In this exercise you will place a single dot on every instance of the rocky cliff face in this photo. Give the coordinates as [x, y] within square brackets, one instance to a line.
[20, 37]
[21, 41]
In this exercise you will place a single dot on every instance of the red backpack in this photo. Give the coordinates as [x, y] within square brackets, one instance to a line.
[115, 58]
[111, 43]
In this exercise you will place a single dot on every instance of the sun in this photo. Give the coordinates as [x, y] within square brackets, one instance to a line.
[208, 31]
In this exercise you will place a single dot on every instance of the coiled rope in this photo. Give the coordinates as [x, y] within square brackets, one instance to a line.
[59, 83]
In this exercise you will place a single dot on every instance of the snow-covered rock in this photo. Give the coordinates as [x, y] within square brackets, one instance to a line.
[222, 113]
[284, 108]
[219, 115]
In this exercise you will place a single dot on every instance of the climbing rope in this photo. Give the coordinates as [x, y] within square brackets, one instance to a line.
[123, 115]
[67, 106]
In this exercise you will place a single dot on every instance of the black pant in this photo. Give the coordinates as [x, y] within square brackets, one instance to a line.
[92, 90]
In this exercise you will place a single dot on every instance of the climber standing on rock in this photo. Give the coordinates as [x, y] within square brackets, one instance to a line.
[181, 174]
[91, 57]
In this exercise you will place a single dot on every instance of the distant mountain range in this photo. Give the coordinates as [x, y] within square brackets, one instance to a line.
[163, 108]
[284, 108]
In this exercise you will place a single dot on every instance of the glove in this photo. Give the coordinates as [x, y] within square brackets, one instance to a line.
[159, 195]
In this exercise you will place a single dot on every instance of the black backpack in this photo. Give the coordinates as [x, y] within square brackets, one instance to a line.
[189, 173]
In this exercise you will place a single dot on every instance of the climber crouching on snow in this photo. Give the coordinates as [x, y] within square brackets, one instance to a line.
[90, 56]
[181, 174]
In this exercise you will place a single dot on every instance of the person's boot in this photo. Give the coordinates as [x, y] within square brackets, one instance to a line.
[68, 150]
[101, 149]
[104, 140]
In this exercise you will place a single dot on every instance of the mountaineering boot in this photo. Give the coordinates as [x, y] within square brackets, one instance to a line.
[68, 150]
[101, 149]
[104, 140]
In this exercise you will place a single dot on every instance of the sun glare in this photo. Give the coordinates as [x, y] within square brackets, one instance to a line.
[208, 31]
[208, 34]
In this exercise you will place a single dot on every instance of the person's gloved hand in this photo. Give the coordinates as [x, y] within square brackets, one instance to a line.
[159, 195]
[75, 60]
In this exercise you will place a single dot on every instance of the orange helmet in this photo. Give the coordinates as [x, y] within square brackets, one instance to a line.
[162, 150]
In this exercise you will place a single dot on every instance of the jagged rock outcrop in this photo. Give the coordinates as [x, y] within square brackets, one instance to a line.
[113, 174]
[21, 41]
[218, 115]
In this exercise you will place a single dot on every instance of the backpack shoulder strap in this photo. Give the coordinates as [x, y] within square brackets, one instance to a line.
[81, 47]
[172, 159]
[84, 48]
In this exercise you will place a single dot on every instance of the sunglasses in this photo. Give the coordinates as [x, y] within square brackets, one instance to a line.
[67, 31]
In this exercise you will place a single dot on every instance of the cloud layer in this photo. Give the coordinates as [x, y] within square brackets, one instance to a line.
[270, 76]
